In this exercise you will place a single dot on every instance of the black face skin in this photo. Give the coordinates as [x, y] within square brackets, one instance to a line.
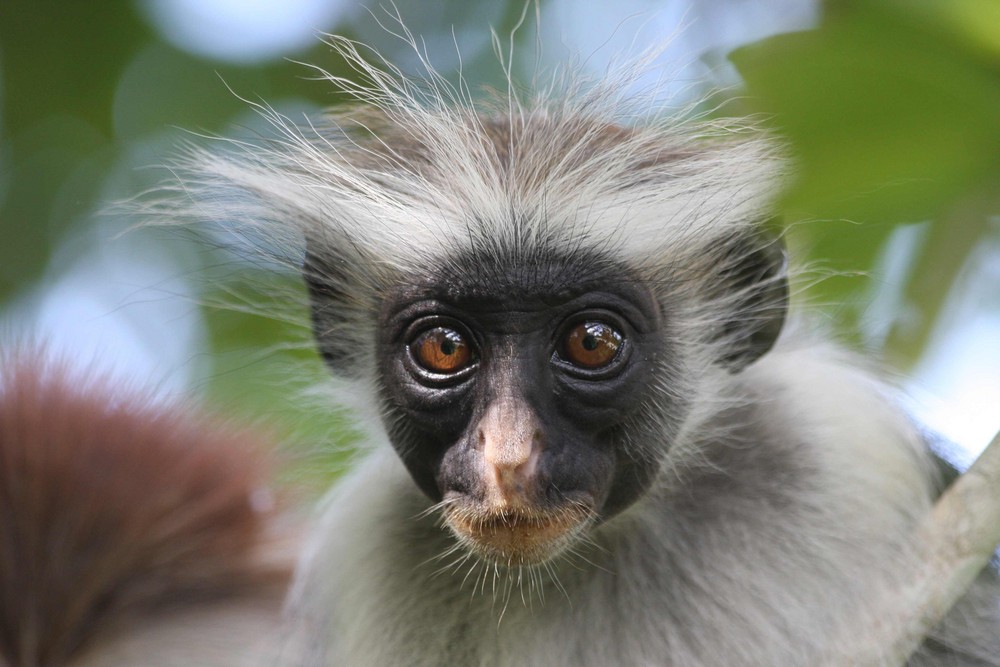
[516, 318]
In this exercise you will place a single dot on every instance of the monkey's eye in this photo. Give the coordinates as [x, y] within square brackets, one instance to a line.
[442, 350]
[591, 345]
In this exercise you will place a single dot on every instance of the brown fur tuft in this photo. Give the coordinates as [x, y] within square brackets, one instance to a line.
[112, 506]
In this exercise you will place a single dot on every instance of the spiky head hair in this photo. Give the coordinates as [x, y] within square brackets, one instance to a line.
[417, 175]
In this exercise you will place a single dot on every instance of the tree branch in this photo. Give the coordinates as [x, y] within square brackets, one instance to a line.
[956, 540]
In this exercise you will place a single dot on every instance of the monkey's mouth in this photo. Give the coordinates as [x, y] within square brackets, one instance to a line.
[518, 537]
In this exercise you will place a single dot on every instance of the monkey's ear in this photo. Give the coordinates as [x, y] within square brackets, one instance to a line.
[325, 284]
[754, 275]
[334, 273]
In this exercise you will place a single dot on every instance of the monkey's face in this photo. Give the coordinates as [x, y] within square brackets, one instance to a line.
[515, 394]
[533, 393]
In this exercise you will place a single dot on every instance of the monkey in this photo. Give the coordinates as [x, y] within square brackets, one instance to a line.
[597, 433]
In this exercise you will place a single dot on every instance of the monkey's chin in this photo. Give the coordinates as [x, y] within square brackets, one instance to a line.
[517, 537]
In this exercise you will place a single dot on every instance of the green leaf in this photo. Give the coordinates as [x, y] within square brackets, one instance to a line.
[885, 119]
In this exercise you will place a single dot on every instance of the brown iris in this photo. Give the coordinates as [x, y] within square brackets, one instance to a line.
[591, 345]
[442, 350]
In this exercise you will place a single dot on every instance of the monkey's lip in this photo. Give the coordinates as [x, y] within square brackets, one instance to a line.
[518, 536]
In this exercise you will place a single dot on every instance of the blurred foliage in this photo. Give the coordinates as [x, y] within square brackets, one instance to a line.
[891, 111]
[63, 65]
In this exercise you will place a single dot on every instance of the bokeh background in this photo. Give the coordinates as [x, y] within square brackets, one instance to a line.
[890, 108]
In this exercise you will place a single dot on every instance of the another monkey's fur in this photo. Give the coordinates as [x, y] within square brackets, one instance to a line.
[699, 491]
[131, 533]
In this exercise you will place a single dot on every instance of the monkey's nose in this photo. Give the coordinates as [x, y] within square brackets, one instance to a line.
[511, 441]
